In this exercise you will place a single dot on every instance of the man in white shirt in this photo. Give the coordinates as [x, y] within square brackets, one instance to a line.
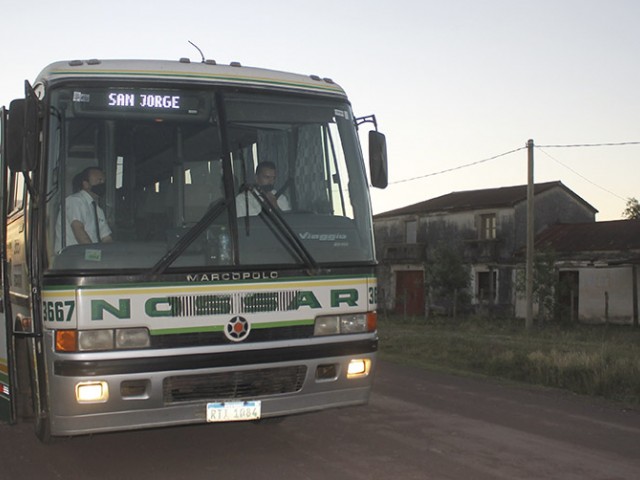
[247, 204]
[84, 218]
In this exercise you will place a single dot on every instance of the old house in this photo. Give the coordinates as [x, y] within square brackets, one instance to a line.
[597, 265]
[486, 227]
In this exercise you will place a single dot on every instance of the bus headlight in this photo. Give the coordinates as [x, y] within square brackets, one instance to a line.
[327, 325]
[101, 340]
[353, 323]
[345, 324]
[92, 340]
[133, 338]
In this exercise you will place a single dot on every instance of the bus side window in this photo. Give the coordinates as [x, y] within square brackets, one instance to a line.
[16, 195]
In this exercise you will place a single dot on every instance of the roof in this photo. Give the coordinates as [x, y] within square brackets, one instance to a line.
[616, 235]
[502, 197]
[207, 73]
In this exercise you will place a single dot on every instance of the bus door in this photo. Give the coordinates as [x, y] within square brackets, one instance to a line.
[16, 326]
[6, 408]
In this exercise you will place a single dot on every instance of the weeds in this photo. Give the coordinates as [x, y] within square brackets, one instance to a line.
[593, 360]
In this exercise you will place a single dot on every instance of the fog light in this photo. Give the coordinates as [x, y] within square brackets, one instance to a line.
[135, 389]
[92, 392]
[358, 367]
[327, 372]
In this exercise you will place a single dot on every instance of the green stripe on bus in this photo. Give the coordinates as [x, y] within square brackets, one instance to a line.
[174, 331]
[220, 328]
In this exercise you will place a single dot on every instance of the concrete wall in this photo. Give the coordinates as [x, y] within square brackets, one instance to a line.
[594, 285]
[598, 283]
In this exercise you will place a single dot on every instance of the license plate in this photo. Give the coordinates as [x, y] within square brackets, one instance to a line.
[233, 411]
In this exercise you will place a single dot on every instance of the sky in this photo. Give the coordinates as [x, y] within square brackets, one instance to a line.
[455, 85]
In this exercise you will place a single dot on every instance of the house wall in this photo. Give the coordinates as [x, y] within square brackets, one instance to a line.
[492, 257]
[598, 283]
[453, 229]
[550, 207]
[461, 227]
[462, 230]
[389, 232]
[594, 284]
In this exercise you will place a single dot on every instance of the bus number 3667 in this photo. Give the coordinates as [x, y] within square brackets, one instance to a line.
[58, 311]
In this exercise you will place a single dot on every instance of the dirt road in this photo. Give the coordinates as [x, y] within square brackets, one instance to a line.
[419, 425]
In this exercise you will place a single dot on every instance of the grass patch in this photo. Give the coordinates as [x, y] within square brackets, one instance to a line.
[601, 361]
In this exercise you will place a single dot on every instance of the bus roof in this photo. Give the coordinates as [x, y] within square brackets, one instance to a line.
[185, 71]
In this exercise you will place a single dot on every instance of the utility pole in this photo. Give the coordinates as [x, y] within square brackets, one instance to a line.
[530, 237]
[634, 295]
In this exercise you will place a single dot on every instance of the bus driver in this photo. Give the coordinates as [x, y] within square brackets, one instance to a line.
[84, 218]
[265, 179]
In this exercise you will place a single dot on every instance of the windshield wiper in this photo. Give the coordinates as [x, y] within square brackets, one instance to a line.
[287, 233]
[188, 238]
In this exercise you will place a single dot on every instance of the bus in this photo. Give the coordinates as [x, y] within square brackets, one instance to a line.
[184, 305]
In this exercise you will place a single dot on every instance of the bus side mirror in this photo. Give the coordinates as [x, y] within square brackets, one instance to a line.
[378, 159]
[15, 135]
[22, 132]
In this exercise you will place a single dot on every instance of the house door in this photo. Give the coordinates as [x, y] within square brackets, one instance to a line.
[410, 292]
[569, 294]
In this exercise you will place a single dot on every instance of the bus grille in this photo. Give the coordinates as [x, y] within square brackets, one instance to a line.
[200, 339]
[232, 385]
[234, 303]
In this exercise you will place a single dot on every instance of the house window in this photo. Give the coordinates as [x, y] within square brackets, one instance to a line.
[487, 285]
[488, 227]
[411, 231]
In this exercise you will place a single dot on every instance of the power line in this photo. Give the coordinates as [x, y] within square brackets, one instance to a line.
[460, 167]
[579, 174]
[610, 144]
[540, 147]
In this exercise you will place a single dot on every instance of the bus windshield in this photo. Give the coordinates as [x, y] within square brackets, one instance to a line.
[179, 181]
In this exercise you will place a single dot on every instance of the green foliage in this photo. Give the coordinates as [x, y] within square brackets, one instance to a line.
[546, 286]
[592, 360]
[632, 210]
[447, 277]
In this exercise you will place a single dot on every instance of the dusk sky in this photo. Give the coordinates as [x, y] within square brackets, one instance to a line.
[453, 84]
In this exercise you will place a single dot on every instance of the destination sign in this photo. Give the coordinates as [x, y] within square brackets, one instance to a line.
[143, 100]
[158, 101]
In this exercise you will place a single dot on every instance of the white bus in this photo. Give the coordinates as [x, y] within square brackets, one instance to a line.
[196, 292]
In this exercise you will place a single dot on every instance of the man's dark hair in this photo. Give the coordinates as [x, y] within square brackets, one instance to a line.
[265, 166]
[83, 176]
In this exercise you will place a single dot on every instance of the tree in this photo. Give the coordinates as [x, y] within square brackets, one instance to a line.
[632, 211]
[545, 284]
[448, 277]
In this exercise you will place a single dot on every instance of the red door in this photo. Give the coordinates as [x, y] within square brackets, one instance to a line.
[410, 292]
